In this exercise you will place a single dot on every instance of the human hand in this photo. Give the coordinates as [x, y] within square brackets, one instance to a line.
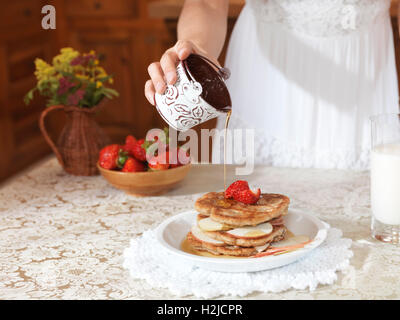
[164, 71]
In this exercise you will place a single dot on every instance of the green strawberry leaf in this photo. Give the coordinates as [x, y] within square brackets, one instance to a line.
[122, 157]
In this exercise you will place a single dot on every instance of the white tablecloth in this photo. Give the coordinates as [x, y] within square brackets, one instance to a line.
[62, 237]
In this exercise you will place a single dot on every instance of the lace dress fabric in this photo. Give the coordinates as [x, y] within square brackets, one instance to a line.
[322, 18]
[306, 75]
[63, 237]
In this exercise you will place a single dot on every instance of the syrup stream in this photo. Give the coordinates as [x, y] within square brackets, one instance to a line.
[228, 116]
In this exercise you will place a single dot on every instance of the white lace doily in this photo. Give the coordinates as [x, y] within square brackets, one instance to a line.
[146, 259]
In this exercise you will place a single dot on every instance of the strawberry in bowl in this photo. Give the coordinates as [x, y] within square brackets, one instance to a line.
[143, 168]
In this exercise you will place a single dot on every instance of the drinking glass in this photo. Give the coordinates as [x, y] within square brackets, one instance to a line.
[385, 177]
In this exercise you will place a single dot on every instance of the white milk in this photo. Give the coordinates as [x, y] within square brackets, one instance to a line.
[385, 183]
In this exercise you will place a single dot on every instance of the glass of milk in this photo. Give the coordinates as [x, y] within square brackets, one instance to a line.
[385, 177]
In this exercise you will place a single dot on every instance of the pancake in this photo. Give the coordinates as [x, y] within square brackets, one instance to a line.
[234, 213]
[277, 234]
[218, 249]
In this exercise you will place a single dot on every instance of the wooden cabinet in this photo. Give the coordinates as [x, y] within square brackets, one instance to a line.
[103, 8]
[119, 30]
[128, 41]
[115, 49]
[20, 13]
[21, 142]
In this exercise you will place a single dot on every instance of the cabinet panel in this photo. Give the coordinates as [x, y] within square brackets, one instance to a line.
[147, 47]
[118, 114]
[20, 13]
[105, 8]
[22, 140]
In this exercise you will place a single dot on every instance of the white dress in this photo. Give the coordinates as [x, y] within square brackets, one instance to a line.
[307, 75]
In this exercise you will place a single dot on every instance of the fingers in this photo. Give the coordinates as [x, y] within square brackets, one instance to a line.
[149, 91]
[164, 72]
[168, 64]
[157, 76]
[184, 48]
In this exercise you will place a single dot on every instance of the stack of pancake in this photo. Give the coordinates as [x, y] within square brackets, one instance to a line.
[232, 228]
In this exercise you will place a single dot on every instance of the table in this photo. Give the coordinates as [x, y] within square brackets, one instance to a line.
[62, 237]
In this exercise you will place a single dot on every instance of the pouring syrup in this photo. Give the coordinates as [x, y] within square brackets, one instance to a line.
[211, 77]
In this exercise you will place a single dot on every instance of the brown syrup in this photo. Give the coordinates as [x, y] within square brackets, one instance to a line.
[228, 116]
[214, 91]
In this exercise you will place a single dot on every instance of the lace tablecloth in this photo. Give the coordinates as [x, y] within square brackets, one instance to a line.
[63, 237]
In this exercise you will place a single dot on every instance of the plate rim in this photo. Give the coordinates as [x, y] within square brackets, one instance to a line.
[317, 241]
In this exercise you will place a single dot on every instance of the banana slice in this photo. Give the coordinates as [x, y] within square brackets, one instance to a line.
[201, 236]
[207, 224]
[290, 241]
[262, 248]
[262, 229]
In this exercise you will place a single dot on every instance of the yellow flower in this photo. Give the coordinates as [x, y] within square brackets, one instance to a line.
[111, 80]
[99, 84]
[62, 61]
[82, 76]
[41, 64]
[44, 71]
[96, 62]
[92, 52]
[100, 72]
[67, 50]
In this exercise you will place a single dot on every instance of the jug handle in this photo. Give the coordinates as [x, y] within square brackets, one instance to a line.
[46, 135]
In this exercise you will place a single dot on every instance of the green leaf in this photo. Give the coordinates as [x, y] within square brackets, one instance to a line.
[111, 91]
[103, 79]
[67, 74]
[122, 157]
[29, 96]
[109, 96]
[97, 97]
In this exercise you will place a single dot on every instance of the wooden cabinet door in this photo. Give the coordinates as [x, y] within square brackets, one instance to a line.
[125, 54]
[21, 140]
[117, 114]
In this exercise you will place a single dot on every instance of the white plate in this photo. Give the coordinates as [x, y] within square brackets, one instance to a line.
[172, 232]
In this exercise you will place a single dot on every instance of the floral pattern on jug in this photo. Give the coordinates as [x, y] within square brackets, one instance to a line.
[182, 105]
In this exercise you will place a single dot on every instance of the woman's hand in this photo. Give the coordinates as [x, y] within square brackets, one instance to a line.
[164, 72]
[207, 40]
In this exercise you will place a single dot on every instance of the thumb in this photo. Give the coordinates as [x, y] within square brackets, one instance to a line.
[183, 49]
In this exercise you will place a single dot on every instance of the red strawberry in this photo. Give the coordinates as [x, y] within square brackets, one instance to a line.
[238, 185]
[133, 165]
[130, 142]
[112, 156]
[247, 196]
[159, 162]
[180, 156]
[138, 151]
[161, 137]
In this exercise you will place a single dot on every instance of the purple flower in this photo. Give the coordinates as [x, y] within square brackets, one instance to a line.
[89, 57]
[82, 60]
[76, 61]
[64, 85]
[74, 98]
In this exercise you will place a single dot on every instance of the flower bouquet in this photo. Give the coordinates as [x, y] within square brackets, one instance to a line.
[75, 83]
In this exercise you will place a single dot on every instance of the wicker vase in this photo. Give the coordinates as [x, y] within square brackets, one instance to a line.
[80, 141]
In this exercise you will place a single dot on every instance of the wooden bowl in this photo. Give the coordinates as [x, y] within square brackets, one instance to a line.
[149, 183]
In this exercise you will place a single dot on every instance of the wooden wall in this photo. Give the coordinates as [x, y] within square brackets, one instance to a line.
[119, 29]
